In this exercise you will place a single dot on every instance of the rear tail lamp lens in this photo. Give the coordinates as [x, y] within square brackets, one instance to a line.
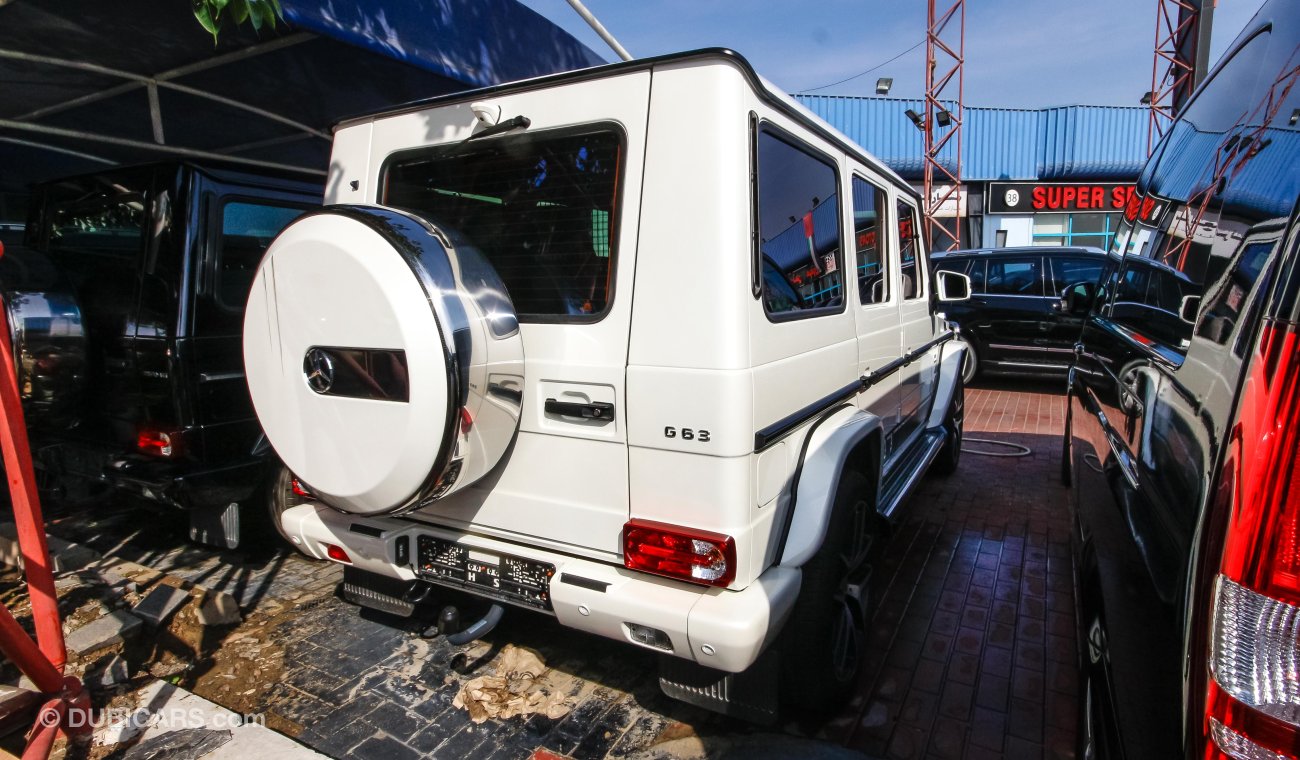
[1231, 744]
[337, 554]
[1252, 707]
[1253, 650]
[685, 554]
[160, 443]
[299, 490]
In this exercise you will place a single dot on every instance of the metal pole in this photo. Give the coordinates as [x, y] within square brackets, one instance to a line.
[600, 29]
[171, 150]
[19, 649]
[27, 508]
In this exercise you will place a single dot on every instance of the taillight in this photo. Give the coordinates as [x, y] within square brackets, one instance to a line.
[686, 554]
[299, 490]
[160, 443]
[337, 554]
[1252, 706]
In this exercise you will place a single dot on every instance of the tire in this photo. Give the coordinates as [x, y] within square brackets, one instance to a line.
[970, 368]
[278, 497]
[823, 642]
[954, 427]
[1067, 474]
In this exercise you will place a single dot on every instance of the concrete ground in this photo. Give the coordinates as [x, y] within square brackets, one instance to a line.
[972, 655]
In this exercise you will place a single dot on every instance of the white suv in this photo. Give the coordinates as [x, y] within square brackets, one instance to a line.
[649, 348]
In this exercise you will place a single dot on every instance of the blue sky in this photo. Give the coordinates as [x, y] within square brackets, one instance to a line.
[1019, 53]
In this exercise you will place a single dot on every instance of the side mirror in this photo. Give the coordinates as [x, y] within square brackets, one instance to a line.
[1189, 308]
[952, 286]
[1078, 298]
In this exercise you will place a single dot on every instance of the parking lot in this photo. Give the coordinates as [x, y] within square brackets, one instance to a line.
[972, 652]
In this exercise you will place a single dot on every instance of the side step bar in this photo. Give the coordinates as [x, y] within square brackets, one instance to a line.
[377, 592]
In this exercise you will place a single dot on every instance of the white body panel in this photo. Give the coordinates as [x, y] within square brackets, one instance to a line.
[686, 348]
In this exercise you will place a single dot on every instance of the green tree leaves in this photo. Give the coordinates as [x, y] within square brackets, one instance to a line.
[215, 14]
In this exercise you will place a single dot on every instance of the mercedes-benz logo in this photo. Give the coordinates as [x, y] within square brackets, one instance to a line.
[318, 365]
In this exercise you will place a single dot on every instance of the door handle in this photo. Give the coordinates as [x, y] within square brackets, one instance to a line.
[596, 410]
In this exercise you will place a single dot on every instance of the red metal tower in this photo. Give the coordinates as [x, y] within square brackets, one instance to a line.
[1182, 50]
[945, 54]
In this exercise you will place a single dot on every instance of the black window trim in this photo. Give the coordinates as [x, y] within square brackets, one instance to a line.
[918, 238]
[616, 218]
[886, 215]
[801, 145]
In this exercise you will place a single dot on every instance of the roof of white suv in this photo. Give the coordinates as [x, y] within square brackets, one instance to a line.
[770, 92]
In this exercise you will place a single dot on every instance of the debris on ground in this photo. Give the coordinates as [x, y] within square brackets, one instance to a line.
[513, 691]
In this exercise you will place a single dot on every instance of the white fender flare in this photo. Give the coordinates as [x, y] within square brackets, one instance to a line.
[826, 451]
[951, 356]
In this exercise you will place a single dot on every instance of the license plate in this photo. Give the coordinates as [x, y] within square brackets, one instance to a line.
[500, 576]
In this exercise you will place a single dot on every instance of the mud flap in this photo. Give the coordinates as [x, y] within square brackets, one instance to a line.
[215, 526]
[751, 695]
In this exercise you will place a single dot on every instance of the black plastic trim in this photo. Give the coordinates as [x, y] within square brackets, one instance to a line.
[769, 435]
[596, 410]
[366, 530]
[587, 583]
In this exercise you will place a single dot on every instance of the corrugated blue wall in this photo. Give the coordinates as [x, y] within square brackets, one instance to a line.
[1069, 142]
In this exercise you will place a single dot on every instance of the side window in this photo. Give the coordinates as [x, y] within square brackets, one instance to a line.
[1015, 277]
[1226, 303]
[247, 229]
[909, 252]
[868, 216]
[799, 229]
[1069, 271]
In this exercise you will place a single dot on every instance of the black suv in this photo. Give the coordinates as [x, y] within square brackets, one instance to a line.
[127, 307]
[1183, 431]
[1013, 323]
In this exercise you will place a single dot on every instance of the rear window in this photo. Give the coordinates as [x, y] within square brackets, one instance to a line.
[247, 229]
[103, 228]
[541, 207]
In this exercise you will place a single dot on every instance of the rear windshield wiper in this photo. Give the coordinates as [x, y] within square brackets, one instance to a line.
[519, 122]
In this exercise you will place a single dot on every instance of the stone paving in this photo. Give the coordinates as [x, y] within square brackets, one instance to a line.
[972, 652]
[974, 645]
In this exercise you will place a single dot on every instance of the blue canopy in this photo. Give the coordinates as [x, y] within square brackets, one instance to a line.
[87, 83]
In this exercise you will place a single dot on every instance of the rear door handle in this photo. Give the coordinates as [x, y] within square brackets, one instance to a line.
[596, 410]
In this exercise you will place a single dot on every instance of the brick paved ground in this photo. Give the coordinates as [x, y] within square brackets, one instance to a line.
[972, 653]
[975, 651]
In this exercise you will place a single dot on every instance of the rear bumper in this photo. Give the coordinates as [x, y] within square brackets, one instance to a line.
[183, 484]
[721, 629]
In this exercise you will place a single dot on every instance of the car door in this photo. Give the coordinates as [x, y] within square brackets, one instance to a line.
[877, 305]
[1014, 310]
[1057, 342]
[235, 225]
[917, 322]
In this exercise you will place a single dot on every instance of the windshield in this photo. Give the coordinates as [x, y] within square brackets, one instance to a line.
[540, 207]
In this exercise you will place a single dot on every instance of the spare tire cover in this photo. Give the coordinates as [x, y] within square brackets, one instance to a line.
[383, 358]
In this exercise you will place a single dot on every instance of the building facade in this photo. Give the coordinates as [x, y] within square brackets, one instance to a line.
[1051, 176]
